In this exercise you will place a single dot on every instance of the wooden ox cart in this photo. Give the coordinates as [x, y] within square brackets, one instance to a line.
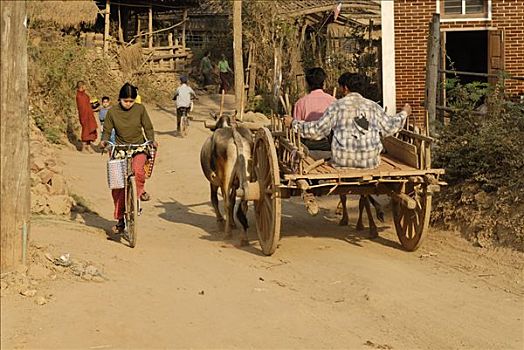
[282, 167]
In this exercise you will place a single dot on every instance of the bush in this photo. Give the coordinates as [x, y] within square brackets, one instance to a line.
[56, 63]
[488, 148]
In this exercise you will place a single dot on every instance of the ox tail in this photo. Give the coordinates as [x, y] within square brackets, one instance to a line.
[240, 172]
[212, 160]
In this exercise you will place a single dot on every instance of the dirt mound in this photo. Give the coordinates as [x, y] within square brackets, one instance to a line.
[486, 218]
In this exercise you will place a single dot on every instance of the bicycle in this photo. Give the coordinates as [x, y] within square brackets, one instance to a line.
[184, 121]
[132, 201]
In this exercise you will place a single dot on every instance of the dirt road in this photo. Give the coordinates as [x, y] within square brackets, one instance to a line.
[325, 287]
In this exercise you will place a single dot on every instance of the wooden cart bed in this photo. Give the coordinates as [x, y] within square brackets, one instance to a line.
[389, 167]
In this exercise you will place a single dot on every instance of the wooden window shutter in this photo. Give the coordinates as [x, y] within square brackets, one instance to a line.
[495, 53]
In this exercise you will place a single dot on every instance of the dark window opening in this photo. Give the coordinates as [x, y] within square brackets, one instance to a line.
[468, 52]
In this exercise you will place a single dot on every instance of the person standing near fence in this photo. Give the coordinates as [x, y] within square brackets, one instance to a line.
[224, 70]
[206, 68]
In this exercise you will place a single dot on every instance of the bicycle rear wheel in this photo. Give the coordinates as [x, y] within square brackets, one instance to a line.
[132, 212]
[184, 126]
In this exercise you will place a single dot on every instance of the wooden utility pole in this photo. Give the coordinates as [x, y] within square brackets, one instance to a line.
[139, 38]
[184, 19]
[120, 30]
[172, 51]
[432, 60]
[252, 70]
[237, 51]
[15, 184]
[107, 14]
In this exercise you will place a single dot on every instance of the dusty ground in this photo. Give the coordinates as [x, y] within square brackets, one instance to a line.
[183, 287]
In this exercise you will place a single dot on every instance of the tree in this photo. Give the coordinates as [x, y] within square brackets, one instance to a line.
[14, 132]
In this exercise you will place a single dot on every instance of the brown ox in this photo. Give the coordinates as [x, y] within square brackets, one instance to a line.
[224, 159]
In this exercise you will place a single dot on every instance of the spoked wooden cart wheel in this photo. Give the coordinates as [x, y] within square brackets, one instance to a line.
[412, 224]
[268, 207]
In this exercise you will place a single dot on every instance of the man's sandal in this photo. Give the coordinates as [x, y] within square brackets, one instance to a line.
[144, 197]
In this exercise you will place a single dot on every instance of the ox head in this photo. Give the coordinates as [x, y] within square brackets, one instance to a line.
[225, 121]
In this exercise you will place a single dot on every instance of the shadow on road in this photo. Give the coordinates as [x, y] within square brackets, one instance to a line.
[296, 222]
[173, 133]
[199, 114]
[168, 110]
[92, 219]
[177, 212]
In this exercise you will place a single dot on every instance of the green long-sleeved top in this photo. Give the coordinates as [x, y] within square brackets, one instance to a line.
[128, 124]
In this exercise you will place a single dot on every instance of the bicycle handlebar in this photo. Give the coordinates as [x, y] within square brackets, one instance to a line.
[113, 146]
[129, 145]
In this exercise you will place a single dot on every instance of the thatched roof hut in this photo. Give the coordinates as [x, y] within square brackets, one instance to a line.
[63, 13]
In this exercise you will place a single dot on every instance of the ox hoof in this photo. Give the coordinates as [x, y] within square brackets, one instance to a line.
[360, 227]
[380, 216]
[343, 222]
[373, 233]
[244, 242]
[311, 203]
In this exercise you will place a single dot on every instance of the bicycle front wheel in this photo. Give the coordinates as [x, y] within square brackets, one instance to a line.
[132, 208]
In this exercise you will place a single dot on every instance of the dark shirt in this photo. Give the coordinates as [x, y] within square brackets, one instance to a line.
[128, 124]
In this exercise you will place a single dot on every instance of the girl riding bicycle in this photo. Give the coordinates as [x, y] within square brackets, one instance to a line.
[129, 119]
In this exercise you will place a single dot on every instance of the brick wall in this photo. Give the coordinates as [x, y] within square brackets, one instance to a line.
[412, 18]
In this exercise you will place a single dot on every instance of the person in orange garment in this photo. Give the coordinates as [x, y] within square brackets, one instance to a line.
[86, 116]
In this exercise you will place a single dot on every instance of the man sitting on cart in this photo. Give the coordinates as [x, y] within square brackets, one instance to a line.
[357, 124]
[312, 106]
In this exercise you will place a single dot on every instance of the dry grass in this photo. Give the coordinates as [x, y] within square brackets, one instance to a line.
[130, 58]
[63, 13]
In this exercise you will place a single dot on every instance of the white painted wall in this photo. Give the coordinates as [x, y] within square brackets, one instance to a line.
[388, 55]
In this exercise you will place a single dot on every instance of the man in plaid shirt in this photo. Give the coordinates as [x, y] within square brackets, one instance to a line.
[357, 124]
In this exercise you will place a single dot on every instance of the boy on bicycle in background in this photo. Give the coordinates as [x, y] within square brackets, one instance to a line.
[183, 95]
